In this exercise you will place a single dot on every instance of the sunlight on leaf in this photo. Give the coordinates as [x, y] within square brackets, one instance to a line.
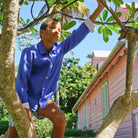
[105, 35]
[100, 29]
[105, 14]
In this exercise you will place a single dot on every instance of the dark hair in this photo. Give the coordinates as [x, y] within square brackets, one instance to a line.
[45, 23]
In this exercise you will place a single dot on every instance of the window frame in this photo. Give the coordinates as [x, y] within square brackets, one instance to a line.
[105, 101]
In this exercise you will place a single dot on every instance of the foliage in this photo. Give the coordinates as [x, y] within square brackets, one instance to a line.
[4, 124]
[79, 133]
[73, 81]
[106, 29]
[3, 111]
[16, 68]
[65, 30]
[4, 118]
[24, 40]
[43, 128]
[71, 120]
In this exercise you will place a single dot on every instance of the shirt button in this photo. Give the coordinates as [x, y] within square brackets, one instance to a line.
[51, 66]
[43, 88]
[46, 77]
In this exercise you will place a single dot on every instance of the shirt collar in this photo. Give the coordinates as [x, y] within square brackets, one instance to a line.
[43, 51]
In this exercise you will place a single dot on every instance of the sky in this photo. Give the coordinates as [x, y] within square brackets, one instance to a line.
[93, 41]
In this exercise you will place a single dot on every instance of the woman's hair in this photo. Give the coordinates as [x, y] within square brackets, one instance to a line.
[45, 23]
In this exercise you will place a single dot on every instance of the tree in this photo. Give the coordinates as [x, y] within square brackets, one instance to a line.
[73, 81]
[127, 102]
[9, 18]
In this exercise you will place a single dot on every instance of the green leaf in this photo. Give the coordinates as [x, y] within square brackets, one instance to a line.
[97, 23]
[33, 30]
[81, 0]
[99, 16]
[105, 35]
[67, 33]
[109, 0]
[50, 2]
[120, 2]
[119, 14]
[111, 18]
[105, 14]
[109, 31]
[128, 8]
[116, 25]
[116, 3]
[28, 20]
[133, 10]
[127, 16]
[114, 29]
[26, 3]
[1, 19]
[22, 20]
[100, 29]
[69, 25]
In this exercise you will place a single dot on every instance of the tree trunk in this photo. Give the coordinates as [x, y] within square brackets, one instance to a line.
[129, 69]
[113, 120]
[124, 104]
[57, 96]
[7, 71]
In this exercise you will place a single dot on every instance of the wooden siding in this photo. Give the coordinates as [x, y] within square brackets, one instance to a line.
[125, 129]
[116, 80]
[116, 86]
[135, 75]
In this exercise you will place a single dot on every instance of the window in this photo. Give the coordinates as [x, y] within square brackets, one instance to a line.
[84, 117]
[105, 99]
[89, 112]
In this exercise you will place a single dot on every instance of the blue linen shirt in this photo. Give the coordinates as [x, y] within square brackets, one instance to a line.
[39, 71]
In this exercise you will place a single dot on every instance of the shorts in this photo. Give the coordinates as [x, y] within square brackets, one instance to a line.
[33, 113]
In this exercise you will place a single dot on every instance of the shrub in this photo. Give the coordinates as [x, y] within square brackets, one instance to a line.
[79, 133]
[43, 128]
[3, 110]
[71, 120]
[4, 124]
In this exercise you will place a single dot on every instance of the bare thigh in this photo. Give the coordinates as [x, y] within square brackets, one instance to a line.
[52, 111]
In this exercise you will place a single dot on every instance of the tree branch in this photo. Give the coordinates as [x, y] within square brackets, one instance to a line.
[69, 5]
[113, 13]
[21, 3]
[32, 24]
[70, 16]
[32, 10]
[130, 36]
[58, 2]
[131, 17]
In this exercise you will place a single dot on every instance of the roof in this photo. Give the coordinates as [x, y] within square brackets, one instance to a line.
[124, 5]
[101, 53]
[119, 47]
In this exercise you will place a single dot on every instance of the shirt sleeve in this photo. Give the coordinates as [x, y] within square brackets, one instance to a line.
[77, 36]
[23, 75]
[90, 25]
[26, 105]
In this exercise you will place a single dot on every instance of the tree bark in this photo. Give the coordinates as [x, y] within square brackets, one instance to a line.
[126, 103]
[7, 71]
[116, 115]
[113, 120]
[129, 68]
